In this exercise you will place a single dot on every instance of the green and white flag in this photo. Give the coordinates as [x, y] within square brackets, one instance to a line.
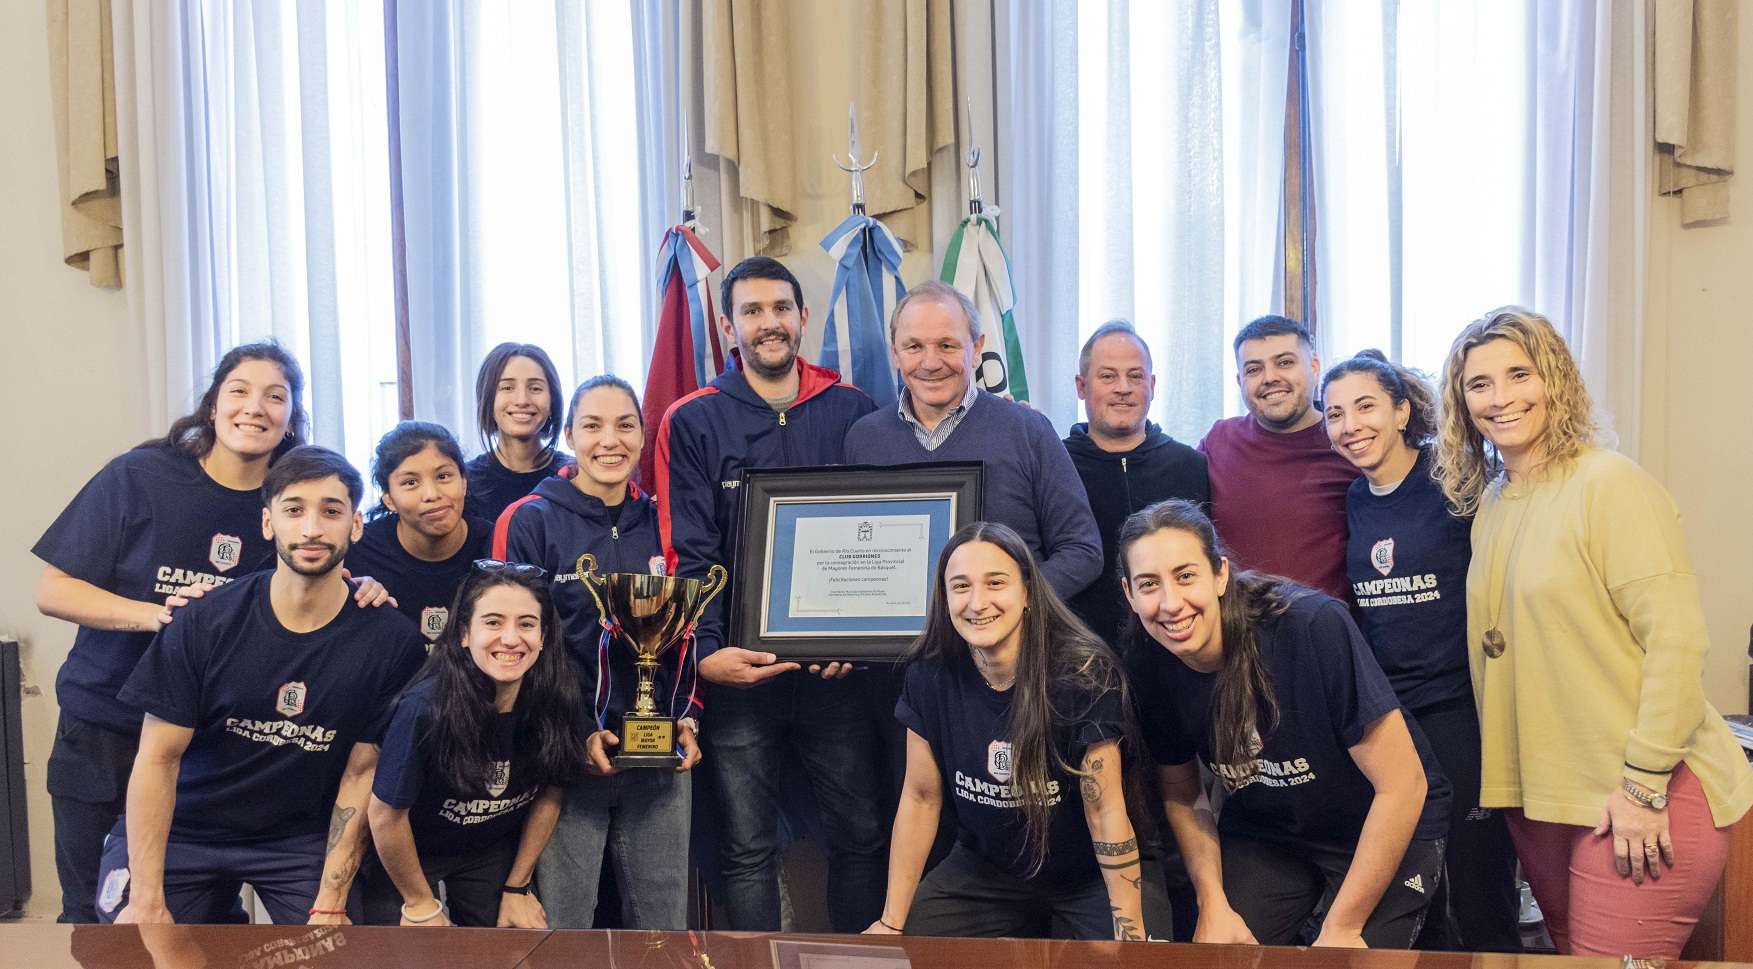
[976, 265]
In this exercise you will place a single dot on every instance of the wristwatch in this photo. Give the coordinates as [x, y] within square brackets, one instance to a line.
[1655, 802]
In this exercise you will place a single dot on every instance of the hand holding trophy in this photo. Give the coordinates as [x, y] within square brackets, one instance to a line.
[650, 614]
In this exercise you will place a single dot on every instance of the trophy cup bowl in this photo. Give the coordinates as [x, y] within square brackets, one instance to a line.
[650, 614]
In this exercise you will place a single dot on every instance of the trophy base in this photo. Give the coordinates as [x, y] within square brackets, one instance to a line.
[647, 742]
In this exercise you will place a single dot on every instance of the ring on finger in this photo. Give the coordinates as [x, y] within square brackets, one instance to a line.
[1650, 849]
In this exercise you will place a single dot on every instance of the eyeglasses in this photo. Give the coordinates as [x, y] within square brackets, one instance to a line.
[519, 569]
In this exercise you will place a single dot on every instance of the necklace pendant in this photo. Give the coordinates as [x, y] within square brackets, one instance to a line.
[1494, 643]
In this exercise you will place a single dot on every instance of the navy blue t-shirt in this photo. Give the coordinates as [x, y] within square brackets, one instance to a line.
[1407, 561]
[423, 589]
[146, 525]
[1306, 790]
[493, 486]
[448, 822]
[275, 713]
[967, 724]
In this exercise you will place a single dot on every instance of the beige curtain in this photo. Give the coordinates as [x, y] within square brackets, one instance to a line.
[83, 86]
[746, 83]
[901, 74]
[1694, 43]
[904, 83]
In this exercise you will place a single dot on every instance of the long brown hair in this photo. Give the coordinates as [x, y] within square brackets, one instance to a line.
[194, 435]
[1063, 670]
[1244, 704]
[549, 704]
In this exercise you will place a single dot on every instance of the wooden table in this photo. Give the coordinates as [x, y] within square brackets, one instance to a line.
[47, 946]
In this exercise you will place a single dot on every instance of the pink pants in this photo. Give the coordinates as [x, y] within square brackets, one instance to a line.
[1591, 910]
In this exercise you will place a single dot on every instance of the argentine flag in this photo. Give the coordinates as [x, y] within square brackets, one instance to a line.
[856, 339]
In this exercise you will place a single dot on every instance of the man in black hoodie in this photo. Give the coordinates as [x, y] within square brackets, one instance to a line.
[1126, 461]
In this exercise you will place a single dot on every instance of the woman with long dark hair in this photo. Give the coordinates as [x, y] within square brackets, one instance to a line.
[1586, 639]
[1010, 703]
[613, 812]
[1330, 802]
[417, 541]
[159, 524]
[518, 406]
[1407, 560]
[477, 756]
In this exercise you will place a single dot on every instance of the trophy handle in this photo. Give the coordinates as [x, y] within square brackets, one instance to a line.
[587, 573]
[716, 579]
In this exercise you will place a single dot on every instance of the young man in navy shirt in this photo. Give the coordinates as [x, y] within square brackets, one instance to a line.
[264, 703]
[769, 409]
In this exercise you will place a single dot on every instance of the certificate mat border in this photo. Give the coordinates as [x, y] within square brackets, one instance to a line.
[833, 483]
[774, 502]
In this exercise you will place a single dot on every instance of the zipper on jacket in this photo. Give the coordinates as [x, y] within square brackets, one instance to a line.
[781, 418]
[614, 533]
[1126, 483]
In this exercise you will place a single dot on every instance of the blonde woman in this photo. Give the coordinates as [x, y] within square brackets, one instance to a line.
[1586, 641]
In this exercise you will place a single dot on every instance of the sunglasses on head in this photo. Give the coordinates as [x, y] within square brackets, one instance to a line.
[519, 569]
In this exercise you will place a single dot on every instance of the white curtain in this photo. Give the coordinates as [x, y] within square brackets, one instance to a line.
[256, 186]
[1472, 153]
[1141, 164]
[253, 174]
[527, 213]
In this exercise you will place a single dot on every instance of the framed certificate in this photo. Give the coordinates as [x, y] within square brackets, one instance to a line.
[838, 563]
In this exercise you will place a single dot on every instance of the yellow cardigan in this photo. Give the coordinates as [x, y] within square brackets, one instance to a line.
[1605, 646]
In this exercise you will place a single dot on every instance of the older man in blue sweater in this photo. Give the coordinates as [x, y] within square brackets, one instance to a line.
[1031, 484]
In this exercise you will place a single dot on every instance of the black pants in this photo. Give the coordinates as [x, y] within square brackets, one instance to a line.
[1479, 896]
[967, 896]
[473, 882]
[88, 790]
[1275, 889]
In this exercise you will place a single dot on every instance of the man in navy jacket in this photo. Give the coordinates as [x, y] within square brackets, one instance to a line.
[769, 409]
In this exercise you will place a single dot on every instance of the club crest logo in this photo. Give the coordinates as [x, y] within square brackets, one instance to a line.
[1382, 556]
[865, 531]
[998, 760]
[289, 699]
[225, 552]
[498, 777]
[657, 566]
[432, 621]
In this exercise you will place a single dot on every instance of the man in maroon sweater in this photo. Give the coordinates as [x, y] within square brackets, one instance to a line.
[1277, 486]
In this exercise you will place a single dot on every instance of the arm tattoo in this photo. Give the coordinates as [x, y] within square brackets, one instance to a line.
[1134, 863]
[1134, 880]
[1124, 930]
[338, 824]
[1092, 788]
[1116, 847]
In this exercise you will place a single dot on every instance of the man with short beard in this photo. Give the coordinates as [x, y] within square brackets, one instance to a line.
[1277, 486]
[769, 409]
[265, 701]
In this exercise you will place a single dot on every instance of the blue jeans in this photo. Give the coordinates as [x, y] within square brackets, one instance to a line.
[824, 724]
[640, 817]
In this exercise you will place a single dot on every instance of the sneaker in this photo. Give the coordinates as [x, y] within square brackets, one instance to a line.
[1530, 914]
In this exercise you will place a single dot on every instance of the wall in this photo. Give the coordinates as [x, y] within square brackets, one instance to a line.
[1697, 436]
[69, 412]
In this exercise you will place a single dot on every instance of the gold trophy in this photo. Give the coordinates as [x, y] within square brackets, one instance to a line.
[651, 612]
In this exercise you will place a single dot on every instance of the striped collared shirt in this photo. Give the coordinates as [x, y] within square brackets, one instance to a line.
[931, 439]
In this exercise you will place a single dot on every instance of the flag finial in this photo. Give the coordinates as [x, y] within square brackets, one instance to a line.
[975, 203]
[688, 208]
[854, 167]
